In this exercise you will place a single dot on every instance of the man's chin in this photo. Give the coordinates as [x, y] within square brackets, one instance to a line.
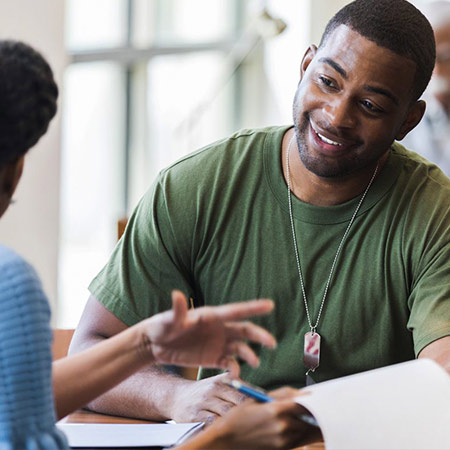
[326, 169]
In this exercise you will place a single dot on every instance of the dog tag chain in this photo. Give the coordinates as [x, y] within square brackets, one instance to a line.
[311, 351]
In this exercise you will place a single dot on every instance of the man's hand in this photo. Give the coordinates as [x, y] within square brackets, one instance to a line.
[207, 336]
[204, 400]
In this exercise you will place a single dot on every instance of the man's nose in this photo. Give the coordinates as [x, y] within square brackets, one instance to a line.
[341, 113]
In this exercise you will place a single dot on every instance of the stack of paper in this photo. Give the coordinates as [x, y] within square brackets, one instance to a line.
[404, 406]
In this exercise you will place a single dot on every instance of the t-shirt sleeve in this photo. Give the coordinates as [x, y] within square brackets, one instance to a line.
[148, 262]
[429, 301]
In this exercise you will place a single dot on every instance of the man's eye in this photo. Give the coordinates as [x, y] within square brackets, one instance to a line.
[326, 81]
[371, 107]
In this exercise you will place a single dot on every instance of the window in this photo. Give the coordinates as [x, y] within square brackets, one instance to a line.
[148, 81]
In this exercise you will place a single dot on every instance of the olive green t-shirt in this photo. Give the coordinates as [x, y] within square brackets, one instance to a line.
[216, 225]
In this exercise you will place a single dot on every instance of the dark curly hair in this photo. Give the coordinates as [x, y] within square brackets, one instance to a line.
[28, 95]
[396, 25]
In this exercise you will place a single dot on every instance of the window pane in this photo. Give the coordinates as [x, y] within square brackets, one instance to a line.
[95, 24]
[92, 178]
[189, 104]
[193, 20]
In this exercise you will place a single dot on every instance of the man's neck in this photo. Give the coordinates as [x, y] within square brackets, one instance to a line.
[320, 191]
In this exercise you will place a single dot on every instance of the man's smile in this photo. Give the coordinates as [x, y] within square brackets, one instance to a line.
[328, 142]
[324, 138]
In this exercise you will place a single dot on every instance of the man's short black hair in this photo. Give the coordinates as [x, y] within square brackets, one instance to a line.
[396, 25]
[28, 95]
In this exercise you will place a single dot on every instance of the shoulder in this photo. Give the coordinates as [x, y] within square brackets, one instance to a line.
[228, 152]
[211, 168]
[422, 198]
[420, 172]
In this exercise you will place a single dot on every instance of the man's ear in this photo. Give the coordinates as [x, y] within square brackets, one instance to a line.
[307, 58]
[414, 116]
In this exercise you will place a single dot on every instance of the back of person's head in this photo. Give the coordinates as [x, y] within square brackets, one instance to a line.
[28, 95]
[393, 24]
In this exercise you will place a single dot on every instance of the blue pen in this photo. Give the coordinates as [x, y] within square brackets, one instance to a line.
[253, 392]
[261, 396]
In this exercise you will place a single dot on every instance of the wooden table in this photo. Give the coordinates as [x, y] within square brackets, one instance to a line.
[83, 416]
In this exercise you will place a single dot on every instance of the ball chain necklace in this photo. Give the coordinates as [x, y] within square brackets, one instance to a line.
[311, 354]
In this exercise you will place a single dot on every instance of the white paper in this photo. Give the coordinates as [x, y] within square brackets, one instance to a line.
[404, 406]
[126, 435]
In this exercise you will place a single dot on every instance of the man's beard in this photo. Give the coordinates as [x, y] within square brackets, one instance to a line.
[321, 166]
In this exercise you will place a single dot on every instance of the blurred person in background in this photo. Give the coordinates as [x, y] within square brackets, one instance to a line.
[431, 138]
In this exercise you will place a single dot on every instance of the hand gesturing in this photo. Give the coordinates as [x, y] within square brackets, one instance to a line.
[209, 336]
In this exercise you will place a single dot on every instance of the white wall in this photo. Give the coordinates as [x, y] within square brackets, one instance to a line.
[321, 12]
[31, 226]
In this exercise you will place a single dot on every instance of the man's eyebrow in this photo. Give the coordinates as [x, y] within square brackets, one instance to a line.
[381, 91]
[369, 88]
[335, 66]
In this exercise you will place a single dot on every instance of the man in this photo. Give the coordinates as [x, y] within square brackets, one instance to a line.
[347, 232]
[431, 138]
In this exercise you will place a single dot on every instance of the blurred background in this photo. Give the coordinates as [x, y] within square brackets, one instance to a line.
[142, 83]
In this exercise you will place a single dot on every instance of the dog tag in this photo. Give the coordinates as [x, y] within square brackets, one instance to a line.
[311, 355]
[309, 379]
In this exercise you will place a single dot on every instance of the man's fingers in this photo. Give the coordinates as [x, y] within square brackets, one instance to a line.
[243, 310]
[207, 417]
[220, 408]
[247, 331]
[227, 393]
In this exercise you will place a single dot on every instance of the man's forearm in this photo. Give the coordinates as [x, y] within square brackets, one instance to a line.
[148, 394]
[80, 378]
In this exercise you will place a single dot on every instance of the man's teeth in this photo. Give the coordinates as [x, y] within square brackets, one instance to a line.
[326, 140]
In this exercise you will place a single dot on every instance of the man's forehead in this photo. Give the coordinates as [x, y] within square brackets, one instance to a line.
[346, 50]
[344, 39]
